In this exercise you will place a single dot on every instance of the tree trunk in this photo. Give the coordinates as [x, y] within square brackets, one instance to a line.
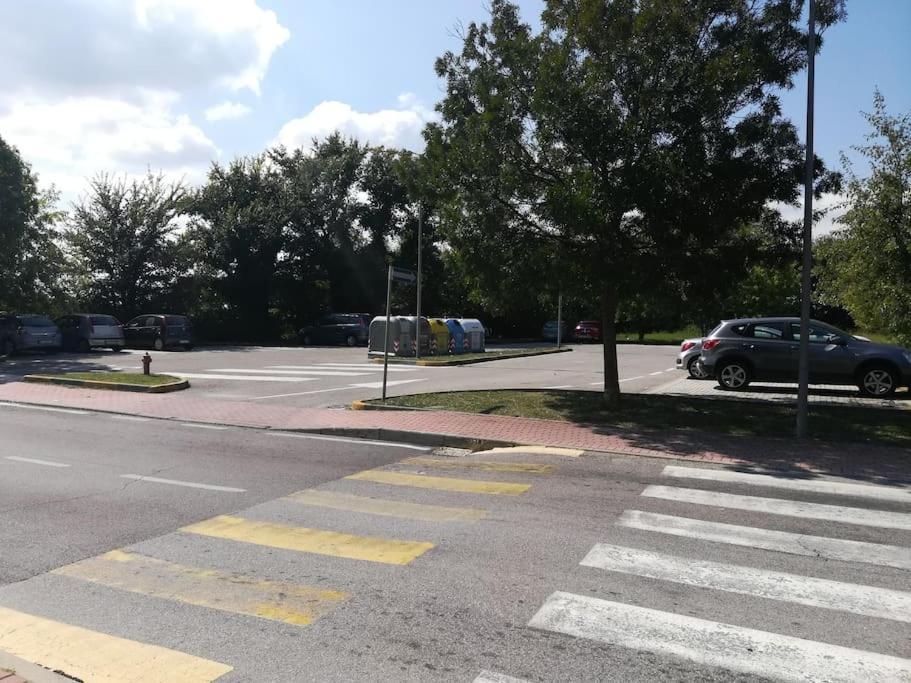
[609, 340]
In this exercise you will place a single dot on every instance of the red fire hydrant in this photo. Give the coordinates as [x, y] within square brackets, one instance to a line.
[146, 362]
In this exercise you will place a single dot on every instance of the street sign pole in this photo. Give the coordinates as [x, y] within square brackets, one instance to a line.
[559, 319]
[386, 342]
[417, 348]
[803, 377]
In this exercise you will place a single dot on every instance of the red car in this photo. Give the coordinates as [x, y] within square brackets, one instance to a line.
[588, 330]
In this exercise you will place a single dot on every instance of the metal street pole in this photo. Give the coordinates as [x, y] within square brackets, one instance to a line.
[803, 379]
[417, 348]
[559, 319]
[386, 342]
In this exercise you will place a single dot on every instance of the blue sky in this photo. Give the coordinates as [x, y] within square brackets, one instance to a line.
[174, 84]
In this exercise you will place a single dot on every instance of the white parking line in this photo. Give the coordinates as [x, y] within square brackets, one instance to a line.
[670, 369]
[364, 367]
[187, 484]
[379, 385]
[783, 482]
[768, 539]
[130, 418]
[316, 373]
[559, 386]
[298, 393]
[870, 601]
[493, 677]
[240, 378]
[360, 442]
[652, 374]
[36, 461]
[69, 411]
[778, 506]
[201, 426]
[711, 643]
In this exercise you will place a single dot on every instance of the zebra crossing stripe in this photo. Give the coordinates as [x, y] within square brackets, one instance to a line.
[711, 643]
[902, 495]
[337, 500]
[803, 590]
[767, 539]
[778, 506]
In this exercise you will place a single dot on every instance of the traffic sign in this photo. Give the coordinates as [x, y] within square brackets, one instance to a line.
[403, 275]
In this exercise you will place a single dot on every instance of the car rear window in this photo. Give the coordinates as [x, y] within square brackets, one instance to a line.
[176, 321]
[36, 321]
[104, 320]
[767, 331]
[347, 320]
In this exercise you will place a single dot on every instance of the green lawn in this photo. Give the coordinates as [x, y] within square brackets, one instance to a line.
[648, 412]
[118, 378]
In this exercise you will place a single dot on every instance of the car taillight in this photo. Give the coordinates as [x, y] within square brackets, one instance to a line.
[710, 344]
[687, 345]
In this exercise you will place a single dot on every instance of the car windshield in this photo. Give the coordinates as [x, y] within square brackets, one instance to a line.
[36, 321]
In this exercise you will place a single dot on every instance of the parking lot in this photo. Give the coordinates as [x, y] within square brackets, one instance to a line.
[315, 377]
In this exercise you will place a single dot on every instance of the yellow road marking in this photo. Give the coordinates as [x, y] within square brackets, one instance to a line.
[386, 508]
[307, 540]
[275, 600]
[441, 483]
[93, 656]
[483, 465]
[539, 450]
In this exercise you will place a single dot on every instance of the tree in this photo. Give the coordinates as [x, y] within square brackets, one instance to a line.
[623, 138]
[121, 242]
[866, 264]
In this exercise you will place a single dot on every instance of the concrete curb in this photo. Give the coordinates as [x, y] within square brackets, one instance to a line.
[431, 439]
[30, 672]
[455, 362]
[109, 386]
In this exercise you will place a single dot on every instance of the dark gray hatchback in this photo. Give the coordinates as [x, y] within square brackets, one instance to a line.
[767, 349]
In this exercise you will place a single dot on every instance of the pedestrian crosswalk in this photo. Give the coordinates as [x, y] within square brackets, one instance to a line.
[738, 648]
[176, 569]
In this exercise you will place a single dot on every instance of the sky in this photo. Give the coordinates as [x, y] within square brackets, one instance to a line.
[124, 86]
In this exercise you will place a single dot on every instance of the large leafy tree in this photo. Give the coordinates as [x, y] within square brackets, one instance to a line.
[121, 241]
[866, 264]
[622, 138]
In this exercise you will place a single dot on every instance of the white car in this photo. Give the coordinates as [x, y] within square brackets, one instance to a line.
[688, 358]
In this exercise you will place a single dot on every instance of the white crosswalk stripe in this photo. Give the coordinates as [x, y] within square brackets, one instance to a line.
[804, 590]
[778, 506]
[315, 372]
[880, 492]
[710, 643]
[768, 539]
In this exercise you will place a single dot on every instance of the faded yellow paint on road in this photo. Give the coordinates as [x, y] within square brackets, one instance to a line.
[307, 540]
[537, 450]
[93, 656]
[290, 603]
[386, 508]
[441, 483]
[483, 465]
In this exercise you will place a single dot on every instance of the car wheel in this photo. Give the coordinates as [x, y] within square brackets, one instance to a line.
[696, 369]
[159, 344]
[733, 375]
[351, 340]
[84, 346]
[878, 381]
[306, 340]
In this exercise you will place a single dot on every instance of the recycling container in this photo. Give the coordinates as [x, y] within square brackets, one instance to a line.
[456, 335]
[474, 334]
[439, 337]
[378, 336]
[409, 335]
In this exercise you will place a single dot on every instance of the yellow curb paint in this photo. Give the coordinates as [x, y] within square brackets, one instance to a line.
[93, 656]
[441, 483]
[307, 540]
[279, 601]
[483, 465]
[537, 450]
[386, 508]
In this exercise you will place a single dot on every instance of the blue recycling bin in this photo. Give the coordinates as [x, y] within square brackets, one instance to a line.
[456, 336]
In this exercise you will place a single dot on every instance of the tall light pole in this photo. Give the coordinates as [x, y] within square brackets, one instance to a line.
[417, 348]
[803, 379]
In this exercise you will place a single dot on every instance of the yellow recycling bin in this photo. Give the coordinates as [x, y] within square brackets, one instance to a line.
[439, 337]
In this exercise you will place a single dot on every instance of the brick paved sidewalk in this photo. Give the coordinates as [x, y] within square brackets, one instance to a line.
[858, 460]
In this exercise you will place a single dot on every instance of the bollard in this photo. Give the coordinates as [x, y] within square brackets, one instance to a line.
[146, 362]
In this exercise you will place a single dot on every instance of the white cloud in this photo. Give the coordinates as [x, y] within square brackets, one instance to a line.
[226, 111]
[832, 204]
[400, 127]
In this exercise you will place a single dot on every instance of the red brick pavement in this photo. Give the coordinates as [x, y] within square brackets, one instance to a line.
[869, 462]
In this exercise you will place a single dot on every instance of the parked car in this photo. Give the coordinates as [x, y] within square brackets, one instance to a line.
[549, 331]
[28, 332]
[688, 358]
[158, 331]
[740, 351]
[588, 330]
[352, 329]
[87, 331]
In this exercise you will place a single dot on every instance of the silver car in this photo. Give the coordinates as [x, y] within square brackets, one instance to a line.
[87, 331]
[767, 349]
[688, 358]
[33, 333]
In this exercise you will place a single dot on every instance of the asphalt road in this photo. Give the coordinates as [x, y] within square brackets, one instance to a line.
[332, 376]
[348, 561]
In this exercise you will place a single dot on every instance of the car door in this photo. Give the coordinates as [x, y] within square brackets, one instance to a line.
[324, 333]
[830, 358]
[769, 351]
[131, 333]
[67, 333]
